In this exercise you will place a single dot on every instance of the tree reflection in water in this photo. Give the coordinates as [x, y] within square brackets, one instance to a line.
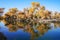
[35, 29]
[56, 24]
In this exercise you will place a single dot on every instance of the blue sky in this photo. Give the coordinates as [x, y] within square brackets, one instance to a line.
[52, 5]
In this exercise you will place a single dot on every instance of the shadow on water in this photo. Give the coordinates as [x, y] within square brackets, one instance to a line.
[2, 36]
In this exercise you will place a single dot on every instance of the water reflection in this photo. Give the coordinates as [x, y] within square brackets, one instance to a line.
[56, 24]
[35, 29]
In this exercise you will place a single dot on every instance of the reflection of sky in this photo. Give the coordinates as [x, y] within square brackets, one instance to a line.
[51, 35]
[20, 4]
